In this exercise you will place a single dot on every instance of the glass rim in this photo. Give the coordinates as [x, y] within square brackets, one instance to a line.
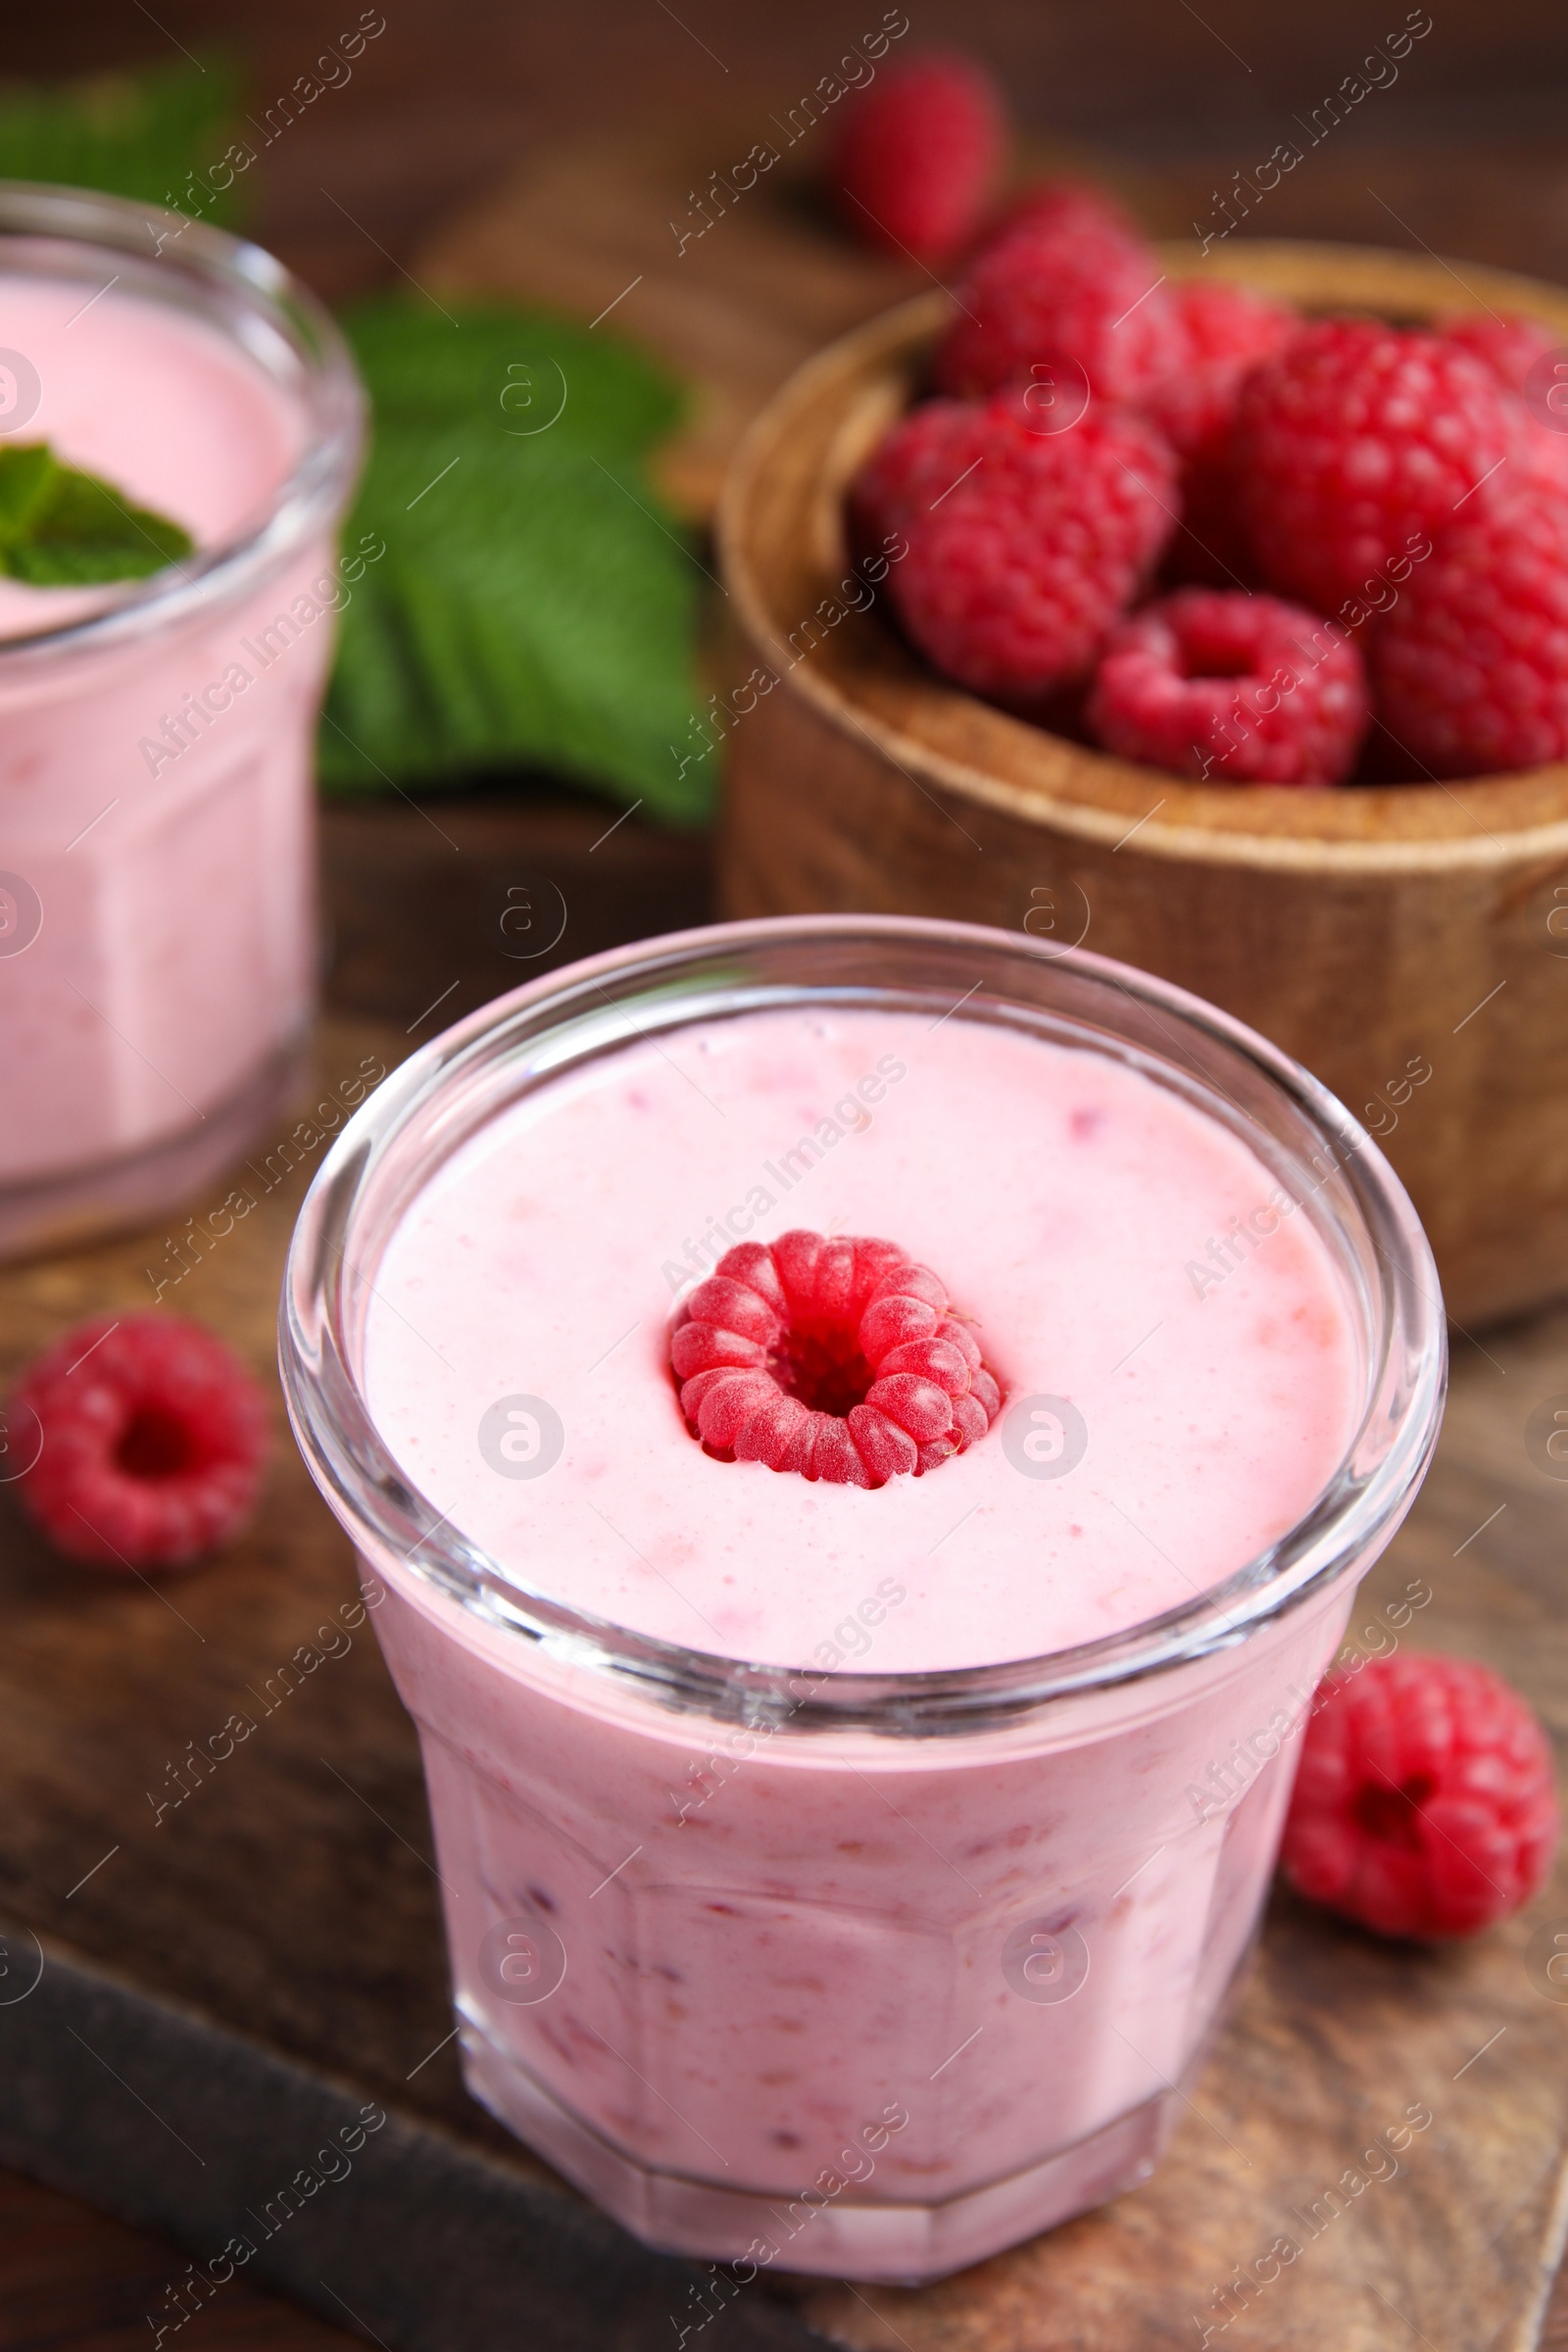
[226, 267]
[386, 1515]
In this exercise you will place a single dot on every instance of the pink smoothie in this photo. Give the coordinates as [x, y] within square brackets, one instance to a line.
[1067, 1203]
[154, 801]
[853, 1998]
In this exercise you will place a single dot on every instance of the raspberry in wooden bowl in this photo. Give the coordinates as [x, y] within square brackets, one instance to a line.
[1390, 906]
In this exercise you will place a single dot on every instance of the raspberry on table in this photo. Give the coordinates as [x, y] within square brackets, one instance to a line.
[1470, 665]
[154, 1441]
[1019, 560]
[835, 1358]
[919, 154]
[1238, 689]
[1426, 1801]
[1061, 287]
[1226, 330]
[1357, 441]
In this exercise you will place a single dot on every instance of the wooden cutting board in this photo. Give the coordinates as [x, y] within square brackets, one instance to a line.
[225, 1979]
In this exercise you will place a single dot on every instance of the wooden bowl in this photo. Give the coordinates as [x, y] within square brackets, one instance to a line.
[1377, 934]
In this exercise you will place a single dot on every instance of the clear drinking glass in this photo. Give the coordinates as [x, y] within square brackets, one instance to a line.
[157, 935]
[994, 2015]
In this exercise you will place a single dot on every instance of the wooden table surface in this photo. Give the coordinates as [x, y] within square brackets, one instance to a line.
[1466, 154]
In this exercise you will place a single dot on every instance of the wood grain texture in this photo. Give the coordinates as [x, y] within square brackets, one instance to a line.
[593, 225]
[76, 2279]
[1365, 931]
[448, 902]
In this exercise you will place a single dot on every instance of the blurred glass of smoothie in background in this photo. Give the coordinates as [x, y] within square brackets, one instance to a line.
[839, 1878]
[158, 938]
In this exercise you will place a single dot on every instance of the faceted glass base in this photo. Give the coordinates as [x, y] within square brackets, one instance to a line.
[838, 2238]
[72, 1206]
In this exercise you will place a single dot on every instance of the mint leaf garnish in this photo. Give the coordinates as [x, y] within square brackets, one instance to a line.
[535, 606]
[24, 476]
[64, 529]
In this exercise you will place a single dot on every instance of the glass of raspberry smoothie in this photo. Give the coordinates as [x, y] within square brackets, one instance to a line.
[864, 1434]
[157, 903]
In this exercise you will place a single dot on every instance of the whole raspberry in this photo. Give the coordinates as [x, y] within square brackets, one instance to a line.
[1058, 290]
[1509, 345]
[1470, 667]
[1356, 440]
[1226, 330]
[1520, 352]
[919, 154]
[1426, 1803]
[154, 1440]
[915, 465]
[1071, 207]
[1241, 689]
[1020, 560]
[838, 1360]
[1225, 326]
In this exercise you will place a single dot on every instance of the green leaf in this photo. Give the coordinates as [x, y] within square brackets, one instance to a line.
[60, 528]
[535, 605]
[26, 474]
[526, 373]
[137, 135]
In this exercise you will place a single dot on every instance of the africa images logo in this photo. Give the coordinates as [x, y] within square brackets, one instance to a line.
[521, 1437]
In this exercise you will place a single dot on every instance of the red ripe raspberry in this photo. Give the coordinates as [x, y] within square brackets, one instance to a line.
[1512, 347]
[1509, 346]
[154, 1440]
[1471, 664]
[919, 154]
[914, 465]
[1056, 289]
[1021, 559]
[838, 1360]
[1426, 1803]
[1358, 440]
[1226, 330]
[1242, 689]
[1225, 325]
[1072, 208]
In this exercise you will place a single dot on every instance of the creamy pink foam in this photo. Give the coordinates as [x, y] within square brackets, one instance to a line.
[1067, 1201]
